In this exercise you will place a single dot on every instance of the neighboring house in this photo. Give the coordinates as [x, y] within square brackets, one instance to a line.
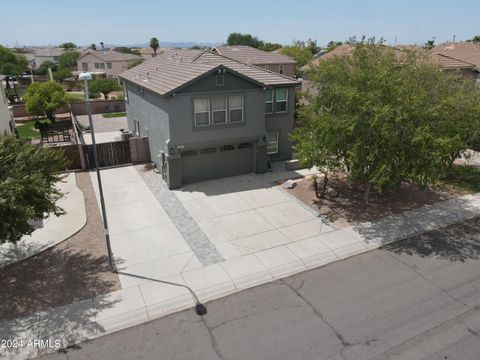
[463, 56]
[207, 116]
[271, 61]
[7, 123]
[47, 54]
[109, 62]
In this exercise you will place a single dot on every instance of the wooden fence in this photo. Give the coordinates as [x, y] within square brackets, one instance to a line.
[109, 154]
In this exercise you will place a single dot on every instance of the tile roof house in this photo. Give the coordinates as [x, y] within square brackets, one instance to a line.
[47, 54]
[208, 116]
[108, 62]
[272, 61]
[464, 56]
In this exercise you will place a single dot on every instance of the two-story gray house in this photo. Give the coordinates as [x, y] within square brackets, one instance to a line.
[207, 116]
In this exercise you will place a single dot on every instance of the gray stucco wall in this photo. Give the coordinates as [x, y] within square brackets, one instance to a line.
[152, 112]
[283, 123]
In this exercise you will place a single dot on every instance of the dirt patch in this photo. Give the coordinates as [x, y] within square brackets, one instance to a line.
[348, 208]
[73, 270]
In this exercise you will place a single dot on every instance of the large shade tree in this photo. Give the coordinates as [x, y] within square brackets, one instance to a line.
[28, 174]
[104, 86]
[386, 117]
[43, 99]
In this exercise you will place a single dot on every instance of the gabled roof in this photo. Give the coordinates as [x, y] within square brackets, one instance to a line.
[111, 55]
[468, 51]
[173, 70]
[448, 62]
[250, 55]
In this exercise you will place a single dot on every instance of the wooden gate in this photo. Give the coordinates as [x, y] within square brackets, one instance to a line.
[109, 154]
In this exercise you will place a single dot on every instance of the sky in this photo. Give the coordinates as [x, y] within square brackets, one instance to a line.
[51, 22]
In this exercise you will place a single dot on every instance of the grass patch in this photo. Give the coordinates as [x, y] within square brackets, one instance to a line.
[28, 131]
[114, 115]
[462, 180]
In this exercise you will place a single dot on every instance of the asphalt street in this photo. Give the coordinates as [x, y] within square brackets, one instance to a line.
[415, 299]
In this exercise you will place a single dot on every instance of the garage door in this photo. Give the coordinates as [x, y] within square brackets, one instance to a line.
[216, 162]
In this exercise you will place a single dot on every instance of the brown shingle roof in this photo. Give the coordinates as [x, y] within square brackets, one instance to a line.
[111, 55]
[175, 69]
[250, 55]
[468, 52]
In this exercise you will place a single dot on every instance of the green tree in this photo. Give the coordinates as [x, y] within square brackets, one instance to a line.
[44, 99]
[42, 69]
[302, 55]
[430, 44]
[68, 45]
[154, 44]
[475, 39]
[244, 39]
[127, 50]
[386, 119]
[93, 47]
[12, 63]
[104, 86]
[68, 59]
[270, 46]
[62, 74]
[28, 174]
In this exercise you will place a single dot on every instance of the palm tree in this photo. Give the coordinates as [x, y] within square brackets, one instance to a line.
[154, 44]
[102, 45]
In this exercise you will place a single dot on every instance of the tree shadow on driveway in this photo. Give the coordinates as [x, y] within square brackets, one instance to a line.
[458, 242]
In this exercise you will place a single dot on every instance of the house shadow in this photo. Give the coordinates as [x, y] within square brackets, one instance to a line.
[49, 296]
[423, 233]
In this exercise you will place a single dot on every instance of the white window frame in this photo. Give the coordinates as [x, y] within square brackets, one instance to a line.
[219, 110]
[238, 108]
[270, 102]
[281, 69]
[272, 142]
[285, 101]
[201, 112]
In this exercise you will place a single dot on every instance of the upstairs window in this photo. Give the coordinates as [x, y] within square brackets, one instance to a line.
[109, 65]
[281, 69]
[97, 65]
[235, 105]
[281, 97]
[219, 110]
[202, 112]
[84, 66]
[219, 80]
[268, 101]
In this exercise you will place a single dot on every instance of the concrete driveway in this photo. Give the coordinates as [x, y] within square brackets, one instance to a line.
[209, 239]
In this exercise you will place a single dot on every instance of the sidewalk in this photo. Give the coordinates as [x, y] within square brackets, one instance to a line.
[54, 230]
[131, 306]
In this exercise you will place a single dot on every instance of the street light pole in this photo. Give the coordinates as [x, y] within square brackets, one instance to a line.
[86, 77]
